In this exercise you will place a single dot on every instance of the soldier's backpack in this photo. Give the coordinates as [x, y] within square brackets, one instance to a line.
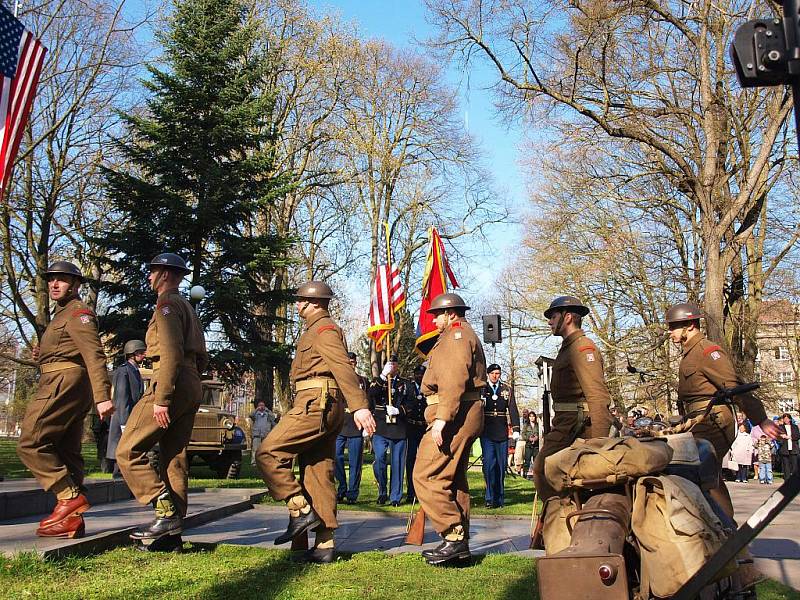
[676, 530]
[603, 462]
[555, 533]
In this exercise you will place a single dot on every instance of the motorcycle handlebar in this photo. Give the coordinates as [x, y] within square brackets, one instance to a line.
[738, 390]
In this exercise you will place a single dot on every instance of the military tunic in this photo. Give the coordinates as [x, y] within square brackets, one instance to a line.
[390, 435]
[74, 374]
[499, 411]
[310, 428]
[455, 376]
[176, 344]
[580, 401]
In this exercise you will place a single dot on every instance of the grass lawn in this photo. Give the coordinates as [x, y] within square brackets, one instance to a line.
[519, 492]
[239, 573]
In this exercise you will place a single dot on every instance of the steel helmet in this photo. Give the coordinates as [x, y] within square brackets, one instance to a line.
[685, 311]
[171, 261]
[314, 289]
[133, 346]
[567, 304]
[445, 301]
[65, 268]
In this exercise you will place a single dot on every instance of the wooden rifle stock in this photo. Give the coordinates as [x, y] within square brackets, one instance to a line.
[416, 529]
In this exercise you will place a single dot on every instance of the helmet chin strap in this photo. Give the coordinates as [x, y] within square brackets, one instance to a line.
[561, 315]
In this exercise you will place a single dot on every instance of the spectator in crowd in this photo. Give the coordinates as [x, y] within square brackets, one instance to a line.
[764, 450]
[351, 438]
[127, 388]
[756, 432]
[262, 420]
[530, 433]
[788, 451]
[742, 451]
[519, 447]
[500, 426]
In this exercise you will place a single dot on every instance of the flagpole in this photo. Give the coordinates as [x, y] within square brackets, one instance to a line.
[17, 4]
[389, 332]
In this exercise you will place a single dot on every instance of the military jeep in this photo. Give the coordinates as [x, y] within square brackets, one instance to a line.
[215, 437]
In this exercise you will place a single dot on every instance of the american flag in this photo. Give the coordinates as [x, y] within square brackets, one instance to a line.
[21, 58]
[387, 298]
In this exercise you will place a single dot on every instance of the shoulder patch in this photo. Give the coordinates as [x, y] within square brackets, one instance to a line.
[586, 348]
[711, 350]
[326, 328]
[164, 303]
[456, 324]
[82, 311]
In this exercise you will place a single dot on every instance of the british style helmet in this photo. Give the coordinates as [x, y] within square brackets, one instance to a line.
[314, 289]
[63, 267]
[685, 311]
[133, 346]
[567, 304]
[170, 261]
[445, 301]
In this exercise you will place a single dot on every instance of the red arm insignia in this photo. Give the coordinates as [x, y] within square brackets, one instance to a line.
[82, 311]
[456, 324]
[711, 349]
[326, 328]
[585, 348]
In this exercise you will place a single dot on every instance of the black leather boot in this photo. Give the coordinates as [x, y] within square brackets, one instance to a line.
[322, 556]
[160, 527]
[298, 525]
[448, 552]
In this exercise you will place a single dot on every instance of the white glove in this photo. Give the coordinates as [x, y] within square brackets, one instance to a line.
[515, 435]
[392, 411]
[122, 427]
[364, 433]
[387, 369]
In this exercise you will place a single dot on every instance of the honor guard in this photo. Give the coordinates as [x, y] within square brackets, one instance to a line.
[499, 412]
[352, 439]
[704, 369]
[415, 429]
[73, 376]
[578, 387]
[390, 430]
[323, 380]
[165, 413]
[452, 386]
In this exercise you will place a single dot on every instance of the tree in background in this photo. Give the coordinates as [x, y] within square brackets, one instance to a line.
[197, 181]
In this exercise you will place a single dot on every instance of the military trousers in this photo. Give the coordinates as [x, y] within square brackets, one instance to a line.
[719, 428]
[440, 473]
[561, 436]
[52, 429]
[307, 432]
[415, 435]
[494, 460]
[142, 433]
[395, 451]
[349, 488]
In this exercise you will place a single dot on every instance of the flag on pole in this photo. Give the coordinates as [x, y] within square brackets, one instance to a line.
[387, 298]
[434, 283]
[21, 59]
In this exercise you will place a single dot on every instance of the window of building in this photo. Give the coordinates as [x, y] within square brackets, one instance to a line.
[782, 353]
[787, 405]
[784, 377]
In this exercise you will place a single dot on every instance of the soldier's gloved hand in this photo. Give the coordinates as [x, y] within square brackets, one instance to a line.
[392, 411]
[387, 370]
[364, 420]
[436, 431]
[161, 415]
[105, 409]
[515, 435]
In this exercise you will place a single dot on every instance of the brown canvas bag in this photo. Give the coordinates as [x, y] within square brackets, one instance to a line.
[676, 530]
[555, 533]
[603, 462]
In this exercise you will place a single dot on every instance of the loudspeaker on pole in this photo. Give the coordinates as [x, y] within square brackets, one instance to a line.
[492, 332]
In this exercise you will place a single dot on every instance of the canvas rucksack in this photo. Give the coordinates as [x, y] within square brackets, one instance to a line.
[603, 462]
[555, 533]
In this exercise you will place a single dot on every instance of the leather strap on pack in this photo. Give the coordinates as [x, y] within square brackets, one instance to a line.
[58, 366]
[324, 384]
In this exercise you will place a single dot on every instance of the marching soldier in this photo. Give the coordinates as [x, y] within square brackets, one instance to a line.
[499, 411]
[580, 396]
[353, 439]
[165, 414]
[704, 369]
[73, 368]
[323, 380]
[390, 431]
[452, 385]
[415, 428]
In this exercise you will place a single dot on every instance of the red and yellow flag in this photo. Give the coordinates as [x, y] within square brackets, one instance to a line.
[437, 273]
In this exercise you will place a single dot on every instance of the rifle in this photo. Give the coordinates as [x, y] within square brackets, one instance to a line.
[415, 528]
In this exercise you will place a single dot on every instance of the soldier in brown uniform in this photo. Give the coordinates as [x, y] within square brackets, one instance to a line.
[73, 367]
[165, 414]
[452, 386]
[323, 381]
[580, 396]
[704, 369]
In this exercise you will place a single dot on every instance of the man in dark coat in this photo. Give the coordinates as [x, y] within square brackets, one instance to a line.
[789, 440]
[128, 387]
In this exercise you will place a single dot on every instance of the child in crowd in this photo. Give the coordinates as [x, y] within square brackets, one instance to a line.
[764, 452]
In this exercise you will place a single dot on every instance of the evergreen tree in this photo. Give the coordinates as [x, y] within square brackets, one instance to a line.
[197, 181]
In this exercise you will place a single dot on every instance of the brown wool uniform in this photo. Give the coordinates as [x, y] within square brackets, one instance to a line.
[455, 376]
[704, 369]
[580, 402]
[74, 373]
[309, 430]
[177, 347]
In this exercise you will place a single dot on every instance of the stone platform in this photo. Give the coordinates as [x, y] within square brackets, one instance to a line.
[24, 497]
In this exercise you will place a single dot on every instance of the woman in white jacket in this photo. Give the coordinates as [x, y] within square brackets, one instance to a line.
[742, 453]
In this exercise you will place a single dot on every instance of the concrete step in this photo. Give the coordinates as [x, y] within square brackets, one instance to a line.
[24, 497]
[109, 525]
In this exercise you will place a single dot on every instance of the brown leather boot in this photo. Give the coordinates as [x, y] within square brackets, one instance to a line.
[64, 509]
[71, 527]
